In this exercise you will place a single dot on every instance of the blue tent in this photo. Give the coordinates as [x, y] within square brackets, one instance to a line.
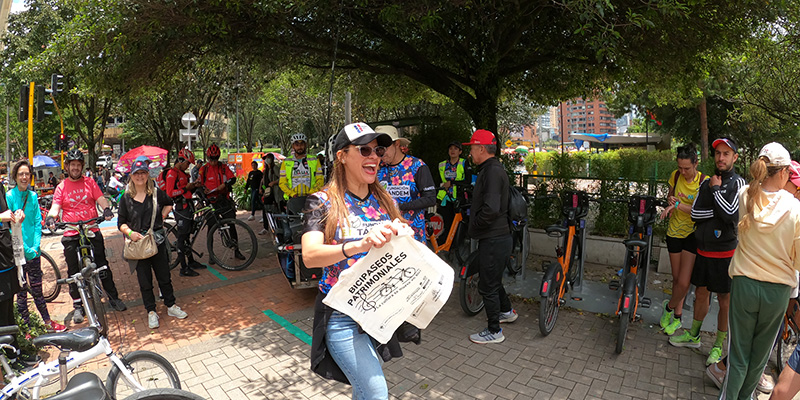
[44, 162]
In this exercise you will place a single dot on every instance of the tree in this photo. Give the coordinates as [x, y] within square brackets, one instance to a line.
[471, 52]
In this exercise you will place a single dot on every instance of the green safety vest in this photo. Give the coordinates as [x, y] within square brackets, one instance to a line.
[459, 175]
[312, 167]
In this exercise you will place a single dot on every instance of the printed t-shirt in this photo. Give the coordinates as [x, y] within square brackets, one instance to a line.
[400, 181]
[78, 201]
[680, 223]
[364, 215]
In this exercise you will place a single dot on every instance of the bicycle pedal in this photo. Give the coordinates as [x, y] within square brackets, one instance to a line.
[545, 264]
[576, 298]
[645, 302]
[613, 285]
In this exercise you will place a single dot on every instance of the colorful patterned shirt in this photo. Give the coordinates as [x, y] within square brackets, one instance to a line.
[411, 185]
[364, 215]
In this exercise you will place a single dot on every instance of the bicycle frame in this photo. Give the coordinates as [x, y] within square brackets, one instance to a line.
[451, 234]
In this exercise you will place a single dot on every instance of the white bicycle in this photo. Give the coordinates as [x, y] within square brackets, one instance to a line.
[130, 373]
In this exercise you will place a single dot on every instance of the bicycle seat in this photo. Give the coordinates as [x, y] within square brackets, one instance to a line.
[7, 339]
[79, 340]
[560, 230]
[84, 385]
[631, 243]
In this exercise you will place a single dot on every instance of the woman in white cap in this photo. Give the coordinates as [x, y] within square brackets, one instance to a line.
[762, 269]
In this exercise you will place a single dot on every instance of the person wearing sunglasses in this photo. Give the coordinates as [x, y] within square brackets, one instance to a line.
[342, 222]
[408, 179]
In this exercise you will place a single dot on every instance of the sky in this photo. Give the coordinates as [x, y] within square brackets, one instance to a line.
[17, 6]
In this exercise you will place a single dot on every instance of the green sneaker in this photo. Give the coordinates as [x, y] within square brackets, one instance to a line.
[685, 340]
[666, 316]
[714, 356]
[672, 327]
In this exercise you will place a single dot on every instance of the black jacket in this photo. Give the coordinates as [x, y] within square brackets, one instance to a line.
[716, 214]
[489, 211]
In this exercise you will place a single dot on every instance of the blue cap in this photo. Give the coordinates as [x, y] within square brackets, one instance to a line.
[141, 163]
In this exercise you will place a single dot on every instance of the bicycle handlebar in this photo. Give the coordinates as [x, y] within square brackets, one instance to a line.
[9, 330]
[95, 220]
[85, 273]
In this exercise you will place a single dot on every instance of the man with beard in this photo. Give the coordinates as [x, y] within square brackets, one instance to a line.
[77, 198]
[300, 175]
[180, 190]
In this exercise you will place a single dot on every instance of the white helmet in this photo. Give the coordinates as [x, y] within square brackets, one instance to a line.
[329, 148]
[299, 137]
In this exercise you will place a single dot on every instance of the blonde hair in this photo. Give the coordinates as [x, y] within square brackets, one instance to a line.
[336, 217]
[755, 194]
[131, 187]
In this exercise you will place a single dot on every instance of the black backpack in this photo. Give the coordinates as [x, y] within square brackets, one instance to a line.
[517, 208]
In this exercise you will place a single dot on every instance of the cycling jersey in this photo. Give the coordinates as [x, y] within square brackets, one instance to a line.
[212, 176]
[411, 185]
[300, 177]
[176, 186]
[364, 215]
[78, 201]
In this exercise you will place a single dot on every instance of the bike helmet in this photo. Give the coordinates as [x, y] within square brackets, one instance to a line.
[74, 155]
[213, 151]
[186, 155]
[330, 148]
[299, 137]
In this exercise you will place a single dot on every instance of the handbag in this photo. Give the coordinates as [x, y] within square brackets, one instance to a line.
[146, 247]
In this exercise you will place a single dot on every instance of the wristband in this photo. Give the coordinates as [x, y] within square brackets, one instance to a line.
[130, 233]
[677, 203]
[343, 253]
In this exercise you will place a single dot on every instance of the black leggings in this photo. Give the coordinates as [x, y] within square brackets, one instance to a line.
[158, 265]
[183, 230]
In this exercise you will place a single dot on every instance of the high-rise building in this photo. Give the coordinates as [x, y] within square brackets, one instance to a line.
[585, 116]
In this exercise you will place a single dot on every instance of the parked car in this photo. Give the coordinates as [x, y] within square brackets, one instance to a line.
[104, 161]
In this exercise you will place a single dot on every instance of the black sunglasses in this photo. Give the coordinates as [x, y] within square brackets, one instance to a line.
[366, 151]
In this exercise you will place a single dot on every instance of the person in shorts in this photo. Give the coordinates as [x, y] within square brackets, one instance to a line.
[716, 214]
[684, 183]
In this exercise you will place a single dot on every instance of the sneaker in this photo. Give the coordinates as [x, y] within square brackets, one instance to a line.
[263, 231]
[672, 327]
[251, 218]
[176, 312]
[716, 374]
[508, 317]
[765, 384]
[238, 254]
[54, 326]
[714, 356]
[188, 272]
[152, 320]
[261, 221]
[77, 315]
[117, 304]
[685, 340]
[485, 336]
[666, 316]
[196, 265]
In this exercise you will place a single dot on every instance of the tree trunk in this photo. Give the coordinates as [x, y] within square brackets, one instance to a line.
[703, 110]
[484, 110]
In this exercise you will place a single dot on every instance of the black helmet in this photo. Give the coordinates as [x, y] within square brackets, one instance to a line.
[74, 155]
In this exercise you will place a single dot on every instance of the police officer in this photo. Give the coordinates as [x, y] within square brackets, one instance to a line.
[300, 175]
[453, 171]
[177, 187]
[217, 180]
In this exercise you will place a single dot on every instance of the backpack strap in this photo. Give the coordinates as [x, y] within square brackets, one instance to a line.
[674, 184]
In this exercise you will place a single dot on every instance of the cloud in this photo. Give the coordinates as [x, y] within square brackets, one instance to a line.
[18, 6]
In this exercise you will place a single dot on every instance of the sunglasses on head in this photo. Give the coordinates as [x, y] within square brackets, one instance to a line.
[367, 151]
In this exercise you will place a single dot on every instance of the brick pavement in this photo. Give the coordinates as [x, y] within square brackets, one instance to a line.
[229, 349]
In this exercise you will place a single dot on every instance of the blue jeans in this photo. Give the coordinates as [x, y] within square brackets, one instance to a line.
[355, 354]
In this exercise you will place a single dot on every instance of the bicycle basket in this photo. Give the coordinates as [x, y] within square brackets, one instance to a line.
[643, 207]
[575, 204]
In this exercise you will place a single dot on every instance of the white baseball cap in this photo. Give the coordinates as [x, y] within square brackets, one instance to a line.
[776, 154]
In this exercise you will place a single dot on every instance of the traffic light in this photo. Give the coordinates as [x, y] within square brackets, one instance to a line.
[62, 142]
[43, 103]
[23, 103]
[56, 86]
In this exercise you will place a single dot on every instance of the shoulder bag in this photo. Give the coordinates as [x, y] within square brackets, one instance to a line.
[146, 247]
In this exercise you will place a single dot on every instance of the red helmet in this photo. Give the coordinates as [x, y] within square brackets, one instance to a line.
[186, 155]
[213, 151]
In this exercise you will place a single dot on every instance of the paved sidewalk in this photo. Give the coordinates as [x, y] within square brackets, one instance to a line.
[247, 337]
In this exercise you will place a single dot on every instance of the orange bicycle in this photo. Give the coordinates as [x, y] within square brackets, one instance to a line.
[457, 238]
[566, 272]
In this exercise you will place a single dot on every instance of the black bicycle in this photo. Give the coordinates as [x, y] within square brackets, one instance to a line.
[223, 249]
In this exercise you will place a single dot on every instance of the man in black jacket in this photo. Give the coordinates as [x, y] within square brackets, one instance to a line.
[716, 215]
[254, 179]
[490, 226]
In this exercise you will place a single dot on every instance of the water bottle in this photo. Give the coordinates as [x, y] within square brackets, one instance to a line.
[16, 242]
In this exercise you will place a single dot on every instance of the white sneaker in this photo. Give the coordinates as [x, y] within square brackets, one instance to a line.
[152, 320]
[176, 312]
[261, 221]
[263, 231]
[250, 218]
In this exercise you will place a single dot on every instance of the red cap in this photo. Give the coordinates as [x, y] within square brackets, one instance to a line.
[482, 136]
[794, 175]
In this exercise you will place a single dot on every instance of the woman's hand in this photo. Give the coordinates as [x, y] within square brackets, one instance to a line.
[672, 200]
[19, 215]
[667, 211]
[8, 216]
[136, 236]
[380, 235]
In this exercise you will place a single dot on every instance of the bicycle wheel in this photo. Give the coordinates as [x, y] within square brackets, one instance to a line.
[572, 274]
[463, 243]
[470, 299]
[514, 262]
[149, 369]
[50, 274]
[786, 346]
[223, 248]
[172, 246]
[164, 394]
[548, 307]
[96, 300]
[624, 319]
